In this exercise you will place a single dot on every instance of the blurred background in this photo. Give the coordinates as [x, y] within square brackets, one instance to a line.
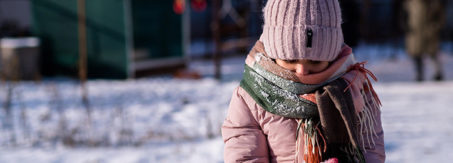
[151, 80]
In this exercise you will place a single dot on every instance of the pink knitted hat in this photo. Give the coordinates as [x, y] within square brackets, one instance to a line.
[302, 29]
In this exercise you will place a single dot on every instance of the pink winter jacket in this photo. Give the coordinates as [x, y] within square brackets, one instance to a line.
[252, 134]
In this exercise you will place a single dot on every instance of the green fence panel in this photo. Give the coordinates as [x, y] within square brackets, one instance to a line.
[107, 39]
[157, 28]
[55, 22]
[153, 28]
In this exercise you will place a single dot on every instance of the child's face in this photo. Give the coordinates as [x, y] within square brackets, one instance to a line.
[303, 66]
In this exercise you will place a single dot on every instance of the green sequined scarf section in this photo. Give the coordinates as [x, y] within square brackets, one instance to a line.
[277, 95]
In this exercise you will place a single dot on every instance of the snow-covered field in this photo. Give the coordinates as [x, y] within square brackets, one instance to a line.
[162, 119]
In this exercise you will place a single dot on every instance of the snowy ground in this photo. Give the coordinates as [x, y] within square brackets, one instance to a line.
[168, 120]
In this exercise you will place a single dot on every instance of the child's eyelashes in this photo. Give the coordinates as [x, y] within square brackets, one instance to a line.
[312, 62]
[291, 61]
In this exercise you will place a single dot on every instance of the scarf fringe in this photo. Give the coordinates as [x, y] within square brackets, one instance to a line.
[312, 152]
[368, 87]
[313, 149]
[366, 117]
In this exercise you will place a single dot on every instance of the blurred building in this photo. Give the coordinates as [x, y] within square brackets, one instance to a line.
[124, 38]
[235, 37]
[384, 20]
[15, 19]
[129, 38]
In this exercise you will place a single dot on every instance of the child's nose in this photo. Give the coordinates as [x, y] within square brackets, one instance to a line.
[301, 69]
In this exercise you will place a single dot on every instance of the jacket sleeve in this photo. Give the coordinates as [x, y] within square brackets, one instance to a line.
[376, 153]
[242, 134]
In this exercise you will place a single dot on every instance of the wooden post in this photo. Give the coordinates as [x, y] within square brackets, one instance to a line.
[216, 37]
[81, 10]
[82, 40]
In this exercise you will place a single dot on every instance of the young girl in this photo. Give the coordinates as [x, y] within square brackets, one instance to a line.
[303, 97]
